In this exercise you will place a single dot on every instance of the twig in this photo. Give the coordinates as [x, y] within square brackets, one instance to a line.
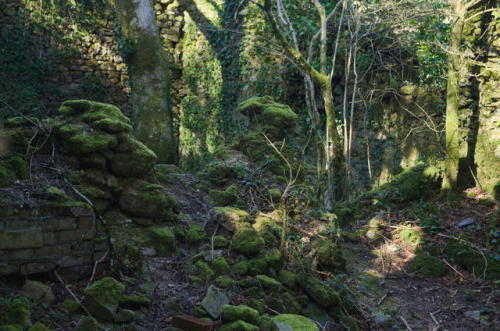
[212, 239]
[458, 272]
[381, 299]
[434, 318]
[406, 323]
[71, 292]
[94, 268]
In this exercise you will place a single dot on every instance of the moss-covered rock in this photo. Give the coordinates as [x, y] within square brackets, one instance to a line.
[258, 264]
[228, 197]
[17, 312]
[136, 161]
[90, 143]
[247, 241]
[224, 281]
[220, 266]
[294, 323]
[329, 257]
[472, 260]
[288, 278]
[319, 291]
[102, 298]
[244, 313]
[220, 242]
[221, 174]
[144, 200]
[195, 234]
[125, 316]
[7, 175]
[163, 240]
[267, 111]
[204, 271]
[268, 282]
[232, 219]
[240, 268]
[238, 326]
[428, 266]
[87, 323]
[71, 306]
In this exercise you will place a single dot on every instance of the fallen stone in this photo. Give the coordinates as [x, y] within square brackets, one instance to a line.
[214, 301]
[38, 291]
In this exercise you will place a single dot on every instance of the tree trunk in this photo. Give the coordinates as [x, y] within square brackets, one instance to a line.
[146, 59]
[452, 99]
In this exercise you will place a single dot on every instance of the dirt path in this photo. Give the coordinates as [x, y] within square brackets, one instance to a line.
[394, 299]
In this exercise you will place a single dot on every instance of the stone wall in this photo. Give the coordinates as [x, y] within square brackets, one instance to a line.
[44, 237]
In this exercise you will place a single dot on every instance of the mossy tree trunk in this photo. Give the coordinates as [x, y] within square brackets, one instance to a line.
[146, 59]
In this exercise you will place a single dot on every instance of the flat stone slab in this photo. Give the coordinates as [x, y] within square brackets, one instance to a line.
[214, 301]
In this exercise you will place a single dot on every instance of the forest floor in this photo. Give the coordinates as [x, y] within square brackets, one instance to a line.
[393, 298]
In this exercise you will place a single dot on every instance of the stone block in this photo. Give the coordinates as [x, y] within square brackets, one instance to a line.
[27, 238]
[37, 267]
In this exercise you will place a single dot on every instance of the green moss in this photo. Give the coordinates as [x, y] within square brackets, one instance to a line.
[57, 193]
[349, 323]
[268, 282]
[220, 242]
[257, 265]
[238, 326]
[15, 122]
[254, 105]
[274, 258]
[278, 115]
[224, 281]
[102, 298]
[17, 312]
[163, 240]
[7, 175]
[142, 201]
[195, 234]
[90, 143]
[71, 306]
[232, 219]
[472, 260]
[320, 292]
[137, 160]
[72, 107]
[247, 241]
[229, 196]
[240, 268]
[204, 271]
[329, 257]
[221, 174]
[275, 194]
[87, 323]
[288, 278]
[220, 266]
[125, 316]
[295, 322]
[244, 313]
[428, 266]
[257, 304]
[409, 235]
[112, 126]
[19, 166]
[13, 327]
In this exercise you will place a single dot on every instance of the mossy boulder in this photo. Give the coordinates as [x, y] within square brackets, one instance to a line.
[195, 234]
[238, 326]
[428, 266]
[228, 197]
[224, 281]
[220, 266]
[291, 322]
[87, 323]
[247, 241]
[288, 278]
[136, 161]
[17, 312]
[319, 291]
[240, 268]
[220, 242]
[102, 298]
[244, 313]
[268, 282]
[71, 306]
[266, 110]
[163, 240]
[143, 199]
[232, 219]
[12, 168]
[90, 143]
[125, 316]
[329, 257]
[221, 174]
[472, 260]
[203, 271]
